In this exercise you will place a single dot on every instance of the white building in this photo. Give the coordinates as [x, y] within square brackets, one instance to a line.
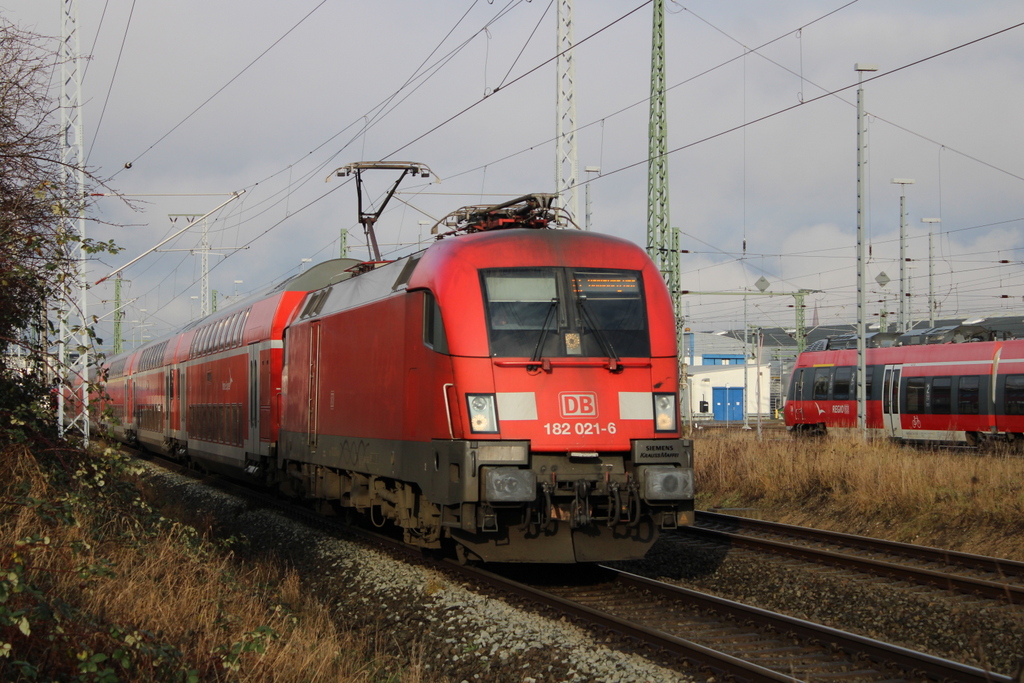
[717, 392]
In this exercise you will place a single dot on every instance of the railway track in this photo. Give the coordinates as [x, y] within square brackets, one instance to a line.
[975, 575]
[743, 642]
[722, 638]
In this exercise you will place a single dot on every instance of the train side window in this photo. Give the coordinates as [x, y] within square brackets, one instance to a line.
[433, 325]
[915, 395]
[221, 335]
[942, 395]
[241, 326]
[1013, 398]
[868, 376]
[968, 395]
[822, 381]
[841, 384]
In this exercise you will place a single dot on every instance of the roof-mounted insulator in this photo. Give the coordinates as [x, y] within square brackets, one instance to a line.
[532, 211]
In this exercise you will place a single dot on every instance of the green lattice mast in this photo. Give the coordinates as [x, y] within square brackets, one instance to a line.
[662, 239]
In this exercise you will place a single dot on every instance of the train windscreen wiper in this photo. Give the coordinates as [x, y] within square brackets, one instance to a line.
[602, 340]
[544, 330]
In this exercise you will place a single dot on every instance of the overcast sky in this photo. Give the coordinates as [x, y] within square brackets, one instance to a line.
[209, 97]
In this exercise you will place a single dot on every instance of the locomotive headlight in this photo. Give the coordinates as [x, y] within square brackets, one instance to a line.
[668, 483]
[509, 485]
[665, 412]
[483, 417]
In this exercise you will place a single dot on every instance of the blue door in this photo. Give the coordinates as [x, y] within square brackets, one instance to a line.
[727, 403]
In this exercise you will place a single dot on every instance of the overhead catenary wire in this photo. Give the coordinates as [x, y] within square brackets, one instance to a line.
[223, 87]
[677, 149]
[113, 77]
[411, 79]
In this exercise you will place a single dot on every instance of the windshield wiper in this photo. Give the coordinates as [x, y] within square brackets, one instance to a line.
[602, 340]
[544, 330]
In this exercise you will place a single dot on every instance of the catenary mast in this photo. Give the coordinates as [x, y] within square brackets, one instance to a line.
[73, 164]
[566, 158]
[662, 239]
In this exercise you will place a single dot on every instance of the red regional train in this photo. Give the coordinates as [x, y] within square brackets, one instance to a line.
[510, 391]
[949, 393]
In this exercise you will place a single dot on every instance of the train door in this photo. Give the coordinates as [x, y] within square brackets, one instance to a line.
[129, 405]
[165, 417]
[796, 393]
[891, 401]
[252, 434]
[179, 422]
[314, 384]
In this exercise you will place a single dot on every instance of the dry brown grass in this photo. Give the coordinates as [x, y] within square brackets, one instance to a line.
[955, 499]
[100, 581]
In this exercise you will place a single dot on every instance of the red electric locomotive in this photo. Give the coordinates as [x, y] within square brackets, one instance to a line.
[953, 393]
[511, 391]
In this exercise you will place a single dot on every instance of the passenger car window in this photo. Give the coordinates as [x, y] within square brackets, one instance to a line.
[968, 395]
[942, 395]
[822, 380]
[841, 384]
[1013, 398]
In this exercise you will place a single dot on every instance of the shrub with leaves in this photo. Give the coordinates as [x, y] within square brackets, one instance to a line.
[97, 585]
[38, 245]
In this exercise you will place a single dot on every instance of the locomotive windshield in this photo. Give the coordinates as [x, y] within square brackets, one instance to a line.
[552, 312]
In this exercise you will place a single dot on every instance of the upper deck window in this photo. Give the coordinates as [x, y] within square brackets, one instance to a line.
[555, 312]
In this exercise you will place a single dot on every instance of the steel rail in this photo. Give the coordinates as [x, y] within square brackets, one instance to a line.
[853, 644]
[964, 584]
[719, 663]
[923, 552]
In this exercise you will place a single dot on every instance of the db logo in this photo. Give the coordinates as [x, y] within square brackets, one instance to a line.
[583, 404]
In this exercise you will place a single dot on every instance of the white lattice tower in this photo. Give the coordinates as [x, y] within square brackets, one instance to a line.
[73, 165]
[566, 160]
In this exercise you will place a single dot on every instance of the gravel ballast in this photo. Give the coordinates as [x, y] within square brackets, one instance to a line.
[974, 631]
[438, 625]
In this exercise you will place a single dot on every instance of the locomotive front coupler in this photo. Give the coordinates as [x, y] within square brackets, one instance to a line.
[581, 511]
[489, 519]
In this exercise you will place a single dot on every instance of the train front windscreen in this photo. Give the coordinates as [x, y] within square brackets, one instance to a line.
[559, 312]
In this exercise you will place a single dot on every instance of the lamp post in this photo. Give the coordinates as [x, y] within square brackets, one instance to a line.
[931, 270]
[902, 319]
[589, 170]
[419, 234]
[861, 331]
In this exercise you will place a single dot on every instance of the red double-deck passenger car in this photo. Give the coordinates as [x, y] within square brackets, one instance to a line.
[511, 391]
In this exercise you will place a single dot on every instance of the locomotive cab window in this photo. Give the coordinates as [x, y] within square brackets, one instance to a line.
[557, 312]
